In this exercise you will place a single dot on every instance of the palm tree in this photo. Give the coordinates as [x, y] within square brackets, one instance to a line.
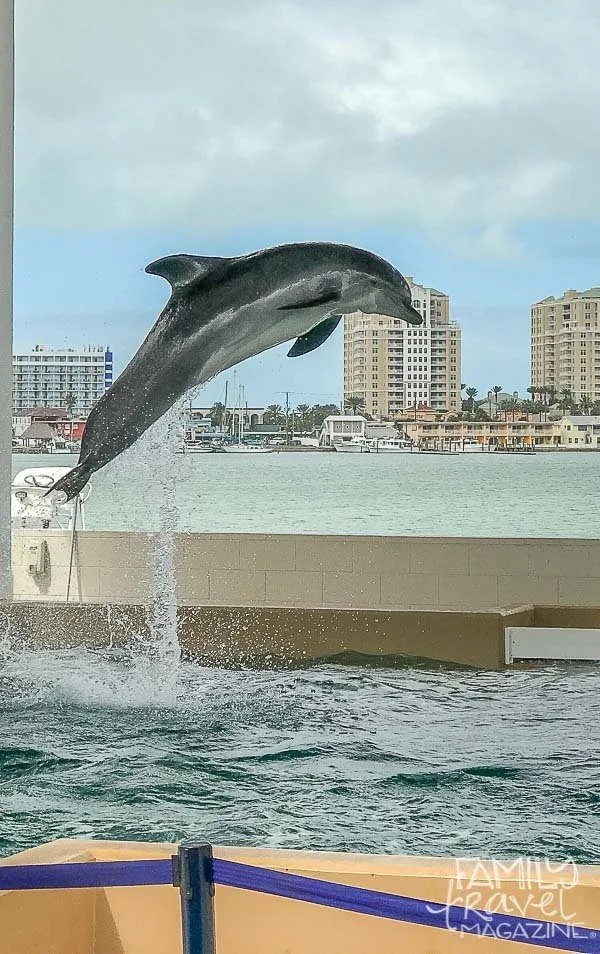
[497, 389]
[356, 403]
[551, 392]
[273, 414]
[216, 414]
[534, 390]
[585, 404]
[302, 414]
[319, 412]
[539, 396]
[70, 401]
[511, 404]
[567, 401]
[472, 394]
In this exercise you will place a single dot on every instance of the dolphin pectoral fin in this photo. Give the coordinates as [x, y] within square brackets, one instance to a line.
[309, 297]
[178, 270]
[315, 337]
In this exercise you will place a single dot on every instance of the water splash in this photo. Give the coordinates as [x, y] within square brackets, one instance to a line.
[155, 654]
[5, 637]
[159, 446]
[146, 669]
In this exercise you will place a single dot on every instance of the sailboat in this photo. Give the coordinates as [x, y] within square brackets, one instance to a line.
[240, 447]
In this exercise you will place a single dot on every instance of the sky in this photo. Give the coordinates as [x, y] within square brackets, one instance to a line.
[460, 140]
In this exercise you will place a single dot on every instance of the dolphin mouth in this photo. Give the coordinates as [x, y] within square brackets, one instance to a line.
[404, 311]
[412, 316]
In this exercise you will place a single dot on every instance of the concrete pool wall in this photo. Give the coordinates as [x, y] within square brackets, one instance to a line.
[243, 598]
[221, 635]
[313, 571]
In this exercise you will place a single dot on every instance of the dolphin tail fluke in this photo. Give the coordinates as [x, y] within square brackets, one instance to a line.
[73, 482]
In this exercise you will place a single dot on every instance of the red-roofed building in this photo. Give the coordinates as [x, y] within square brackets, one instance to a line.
[62, 426]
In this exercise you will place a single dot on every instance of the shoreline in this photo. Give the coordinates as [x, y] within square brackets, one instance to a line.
[540, 448]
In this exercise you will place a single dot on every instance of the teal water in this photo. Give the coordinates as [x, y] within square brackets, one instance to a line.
[414, 760]
[552, 494]
[421, 760]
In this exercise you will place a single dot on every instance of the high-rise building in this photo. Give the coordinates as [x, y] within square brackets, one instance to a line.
[565, 343]
[392, 365]
[69, 378]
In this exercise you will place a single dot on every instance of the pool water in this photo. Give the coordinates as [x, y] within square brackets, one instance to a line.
[419, 760]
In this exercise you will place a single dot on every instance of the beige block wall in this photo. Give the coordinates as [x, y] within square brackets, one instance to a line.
[315, 571]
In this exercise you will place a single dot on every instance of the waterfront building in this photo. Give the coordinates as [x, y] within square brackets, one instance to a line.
[69, 378]
[565, 343]
[253, 416]
[572, 431]
[338, 428]
[62, 425]
[578, 431]
[418, 412]
[392, 365]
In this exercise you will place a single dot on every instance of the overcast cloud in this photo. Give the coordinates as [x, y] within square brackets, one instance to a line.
[480, 114]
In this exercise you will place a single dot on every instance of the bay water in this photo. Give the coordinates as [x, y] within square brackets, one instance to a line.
[545, 494]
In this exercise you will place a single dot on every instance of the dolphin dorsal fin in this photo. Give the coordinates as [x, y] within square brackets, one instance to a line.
[178, 270]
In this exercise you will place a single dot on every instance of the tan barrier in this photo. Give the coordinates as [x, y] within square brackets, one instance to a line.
[146, 920]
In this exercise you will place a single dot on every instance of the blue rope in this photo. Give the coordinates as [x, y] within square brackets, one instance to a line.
[560, 937]
[82, 874]
[115, 874]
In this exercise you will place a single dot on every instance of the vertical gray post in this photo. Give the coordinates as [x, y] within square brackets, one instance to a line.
[193, 875]
[6, 284]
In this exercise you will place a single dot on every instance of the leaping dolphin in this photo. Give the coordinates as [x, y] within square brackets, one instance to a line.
[224, 310]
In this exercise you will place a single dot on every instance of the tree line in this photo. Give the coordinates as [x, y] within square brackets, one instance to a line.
[541, 401]
[307, 418]
[303, 417]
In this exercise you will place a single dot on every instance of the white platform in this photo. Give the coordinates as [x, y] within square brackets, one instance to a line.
[537, 642]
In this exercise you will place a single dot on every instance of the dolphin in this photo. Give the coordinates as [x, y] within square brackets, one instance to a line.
[224, 310]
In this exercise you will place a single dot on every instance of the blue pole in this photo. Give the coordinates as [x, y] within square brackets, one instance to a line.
[192, 874]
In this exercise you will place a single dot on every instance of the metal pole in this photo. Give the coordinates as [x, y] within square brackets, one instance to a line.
[287, 412]
[192, 874]
[6, 284]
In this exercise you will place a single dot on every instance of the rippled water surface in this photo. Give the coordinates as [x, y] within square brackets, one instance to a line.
[551, 494]
[417, 760]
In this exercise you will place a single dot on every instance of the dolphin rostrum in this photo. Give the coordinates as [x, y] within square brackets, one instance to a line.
[225, 310]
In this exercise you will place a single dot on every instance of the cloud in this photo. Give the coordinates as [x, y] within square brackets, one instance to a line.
[469, 116]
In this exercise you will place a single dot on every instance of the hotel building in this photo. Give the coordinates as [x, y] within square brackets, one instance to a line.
[68, 378]
[392, 365]
[565, 343]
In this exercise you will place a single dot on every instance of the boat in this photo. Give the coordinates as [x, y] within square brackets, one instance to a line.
[393, 445]
[356, 445]
[248, 449]
[198, 448]
[471, 446]
[241, 447]
[32, 509]
[510, 449]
